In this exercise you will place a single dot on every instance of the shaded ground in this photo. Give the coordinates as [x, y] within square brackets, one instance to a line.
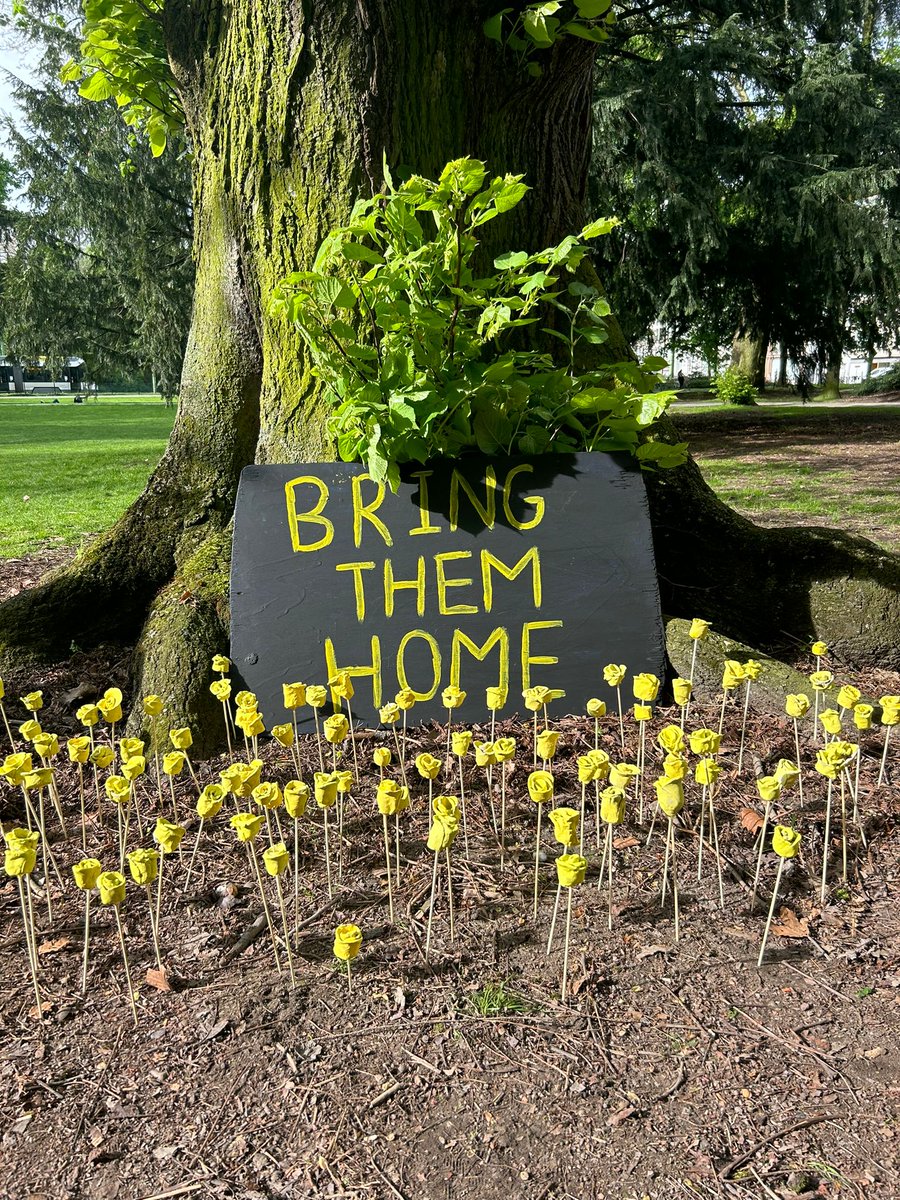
[673, 1068]
[827, 467]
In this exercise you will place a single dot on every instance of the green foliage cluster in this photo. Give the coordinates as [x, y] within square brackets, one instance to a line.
[888, 382]
[734, 386]
[123, 58]
[423, 352]
[539, 26]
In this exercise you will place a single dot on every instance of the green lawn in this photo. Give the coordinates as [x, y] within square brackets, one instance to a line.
[70, 470]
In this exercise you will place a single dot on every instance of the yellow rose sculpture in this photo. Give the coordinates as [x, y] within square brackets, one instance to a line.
[267, 795]
[819, 649]
[283, 735]
[181, 739]
[296, 798]
[496, 698]
[705, 741]
[347, 941]
[246, 825]
[442, 833]
[19, 860]
[622, 774]
[596, 709]
[570, 870]
[452, 697]
[173, 763]
[221, 663]
[144, 866]
[389, 714]
[505, 748]
[612, 806]
[699, 629]
[862, 716]
[336, 728]
[88, 715]
[540, 786]
[79, 749]
[389, 798]
[707, 772]
[645, 687]
[117, 789]
[785, 841]
[732, 675]
[405, 699]
[669, 796]
[797, 705]
[643, 712]
[565, 822]
[276, 859]
[485, 754]
[325, 789]
[428, 766]
[848, 696]
[86, 873]
[293, 695]
[830, 720]
[787, 773]
[675, 766]
[210, 800]
[316, 696]
[821, 680]
[33, 701]
[381, 757]
[461, 742]
[134, 768]
[681, 690]
[671, 739]
[614, 674]
[167, 835]
[111, 885]
[546, 743]
[342, 685]
[769, 788]
[152, 705]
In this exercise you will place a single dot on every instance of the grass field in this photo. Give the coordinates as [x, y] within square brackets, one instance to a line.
[69, 471]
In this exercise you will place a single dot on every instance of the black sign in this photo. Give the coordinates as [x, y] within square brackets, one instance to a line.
[479, 573]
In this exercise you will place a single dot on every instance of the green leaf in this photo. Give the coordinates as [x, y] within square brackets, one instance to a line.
[588, 33]
[592, 8]
[653, 363]
[333, 293]
[540, 29]
[97, 87]
[511, 259]
[601, 226]
[491, 430]
[493, 26]
[662, 454]
[359, 253]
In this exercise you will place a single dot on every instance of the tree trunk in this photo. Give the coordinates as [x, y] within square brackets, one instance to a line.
[831, 386]
[290, 107]
[748, 351]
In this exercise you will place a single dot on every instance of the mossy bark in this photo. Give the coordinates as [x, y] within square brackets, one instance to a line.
[748, 351]
[291, 106]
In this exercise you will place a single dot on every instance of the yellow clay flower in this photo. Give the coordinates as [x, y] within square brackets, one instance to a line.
[452, 697]
[221, 664]
[496, 697]
[405, 699]
[347, 941]
[181, 739]
[890, 710]
[645, 687]
[671, 739]
[681, 689]
[316, 695]
[699, 629]
[30, 837]
[428, 766]
[33, 701]
[612, 806]
[130, 747]
[796, 705]
[752, 669]
[669, 795]
[732, 675]
[587, 769]
[152, 706]
[112, 887]
[16, 766]
[537, 698]
[296, 798]
[102, 756]
[596, 709]
[30, 730]
[849, 696]
[381, 756]
[132, 768]
[276, 859]
[600, 759]
[862, 716]
[546, 743]
[389, 714]
[46, 745]
[248, 777]
[88, 714]
[705, 741]
[168, 835]
[209, 802]
[40, 778]
[441, 834]
[819, 649]
[173, 763]
[246, 825]
[825, 766]
[540, 786]
[388, 797]
[249, 721]
[221, 689]
[336, 728]
[445, 808]
[485, 754]
[821, 680]
[643, 712]
[565, 822]
[785, 841]
[19, 860]
[293, 695]
[79, 749]
[247, 700]
[283, 735]
[840, 753]
[570, 869]
[86, 872]
[505, 748]
[621, 774]
[325, 787]
[614, 674]
[460, 742]
[769, 788]
[267, 795]
[111, 711]
[231, 777]
[830, 720]
[143, 865]
[342, 685]
[707, 771]
[675, 766]
[344, 782]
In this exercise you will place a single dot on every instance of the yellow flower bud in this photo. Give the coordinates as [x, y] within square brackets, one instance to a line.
[496, 697]
[540, 786]
[342, 685]
[707, 772]
[79, 749]
[130, 747]
[600, 759]
[787, 773]
[276, 859]
[546, 743]
[111, 711]
[441, 834]
[283, 735]
[143, 865]
[347, 941]
[862, 716]
[825, 765]
[596, 709]
[699, 629]
[102, 756]
[381, 756]
[231, 777]
[769, 788]
[681, 690]
[445, 808]
[221, 689]
[732, 675]
[173, 763]
[325, 787]
[249, 721]
[821, 680]
[316, 696]
[675, 766]
[621, 775]
[16, 767]
[849, 696]
[389, 714]
[428, 766]
[819, 649]
[388, 797]
[86, 872]
[565, 822]
[452, 697]
[246, 825]
[537, 698]
[890, 710]
[570, 869]
[460, 742]
[247, 700]
[505, 749]
[671, 739]
[785, 841]
[30, 837]
[181, 739]
[405, 699]
[705, 741]
[645, 687]
[248, 777]
[643, 712]
[221, 664]
[344, 782]
[40, 778]
[46, 745]
[112, 887]
[88, 714]
[336, 728]
[209, 802]
[33, 701]
[796, 705]
[669, 795]
[152, 706]
[132, 768]
[612, 806]
[614, 674]
[752, 669]
[296, 798]
[19, 860]
[830, 720]
[267, 795]
[485, 754]
[293, 695]
[587, 769]
[30, 730]
[167, 835]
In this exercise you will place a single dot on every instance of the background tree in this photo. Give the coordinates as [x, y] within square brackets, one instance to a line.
[103, 264]
[290, 110]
